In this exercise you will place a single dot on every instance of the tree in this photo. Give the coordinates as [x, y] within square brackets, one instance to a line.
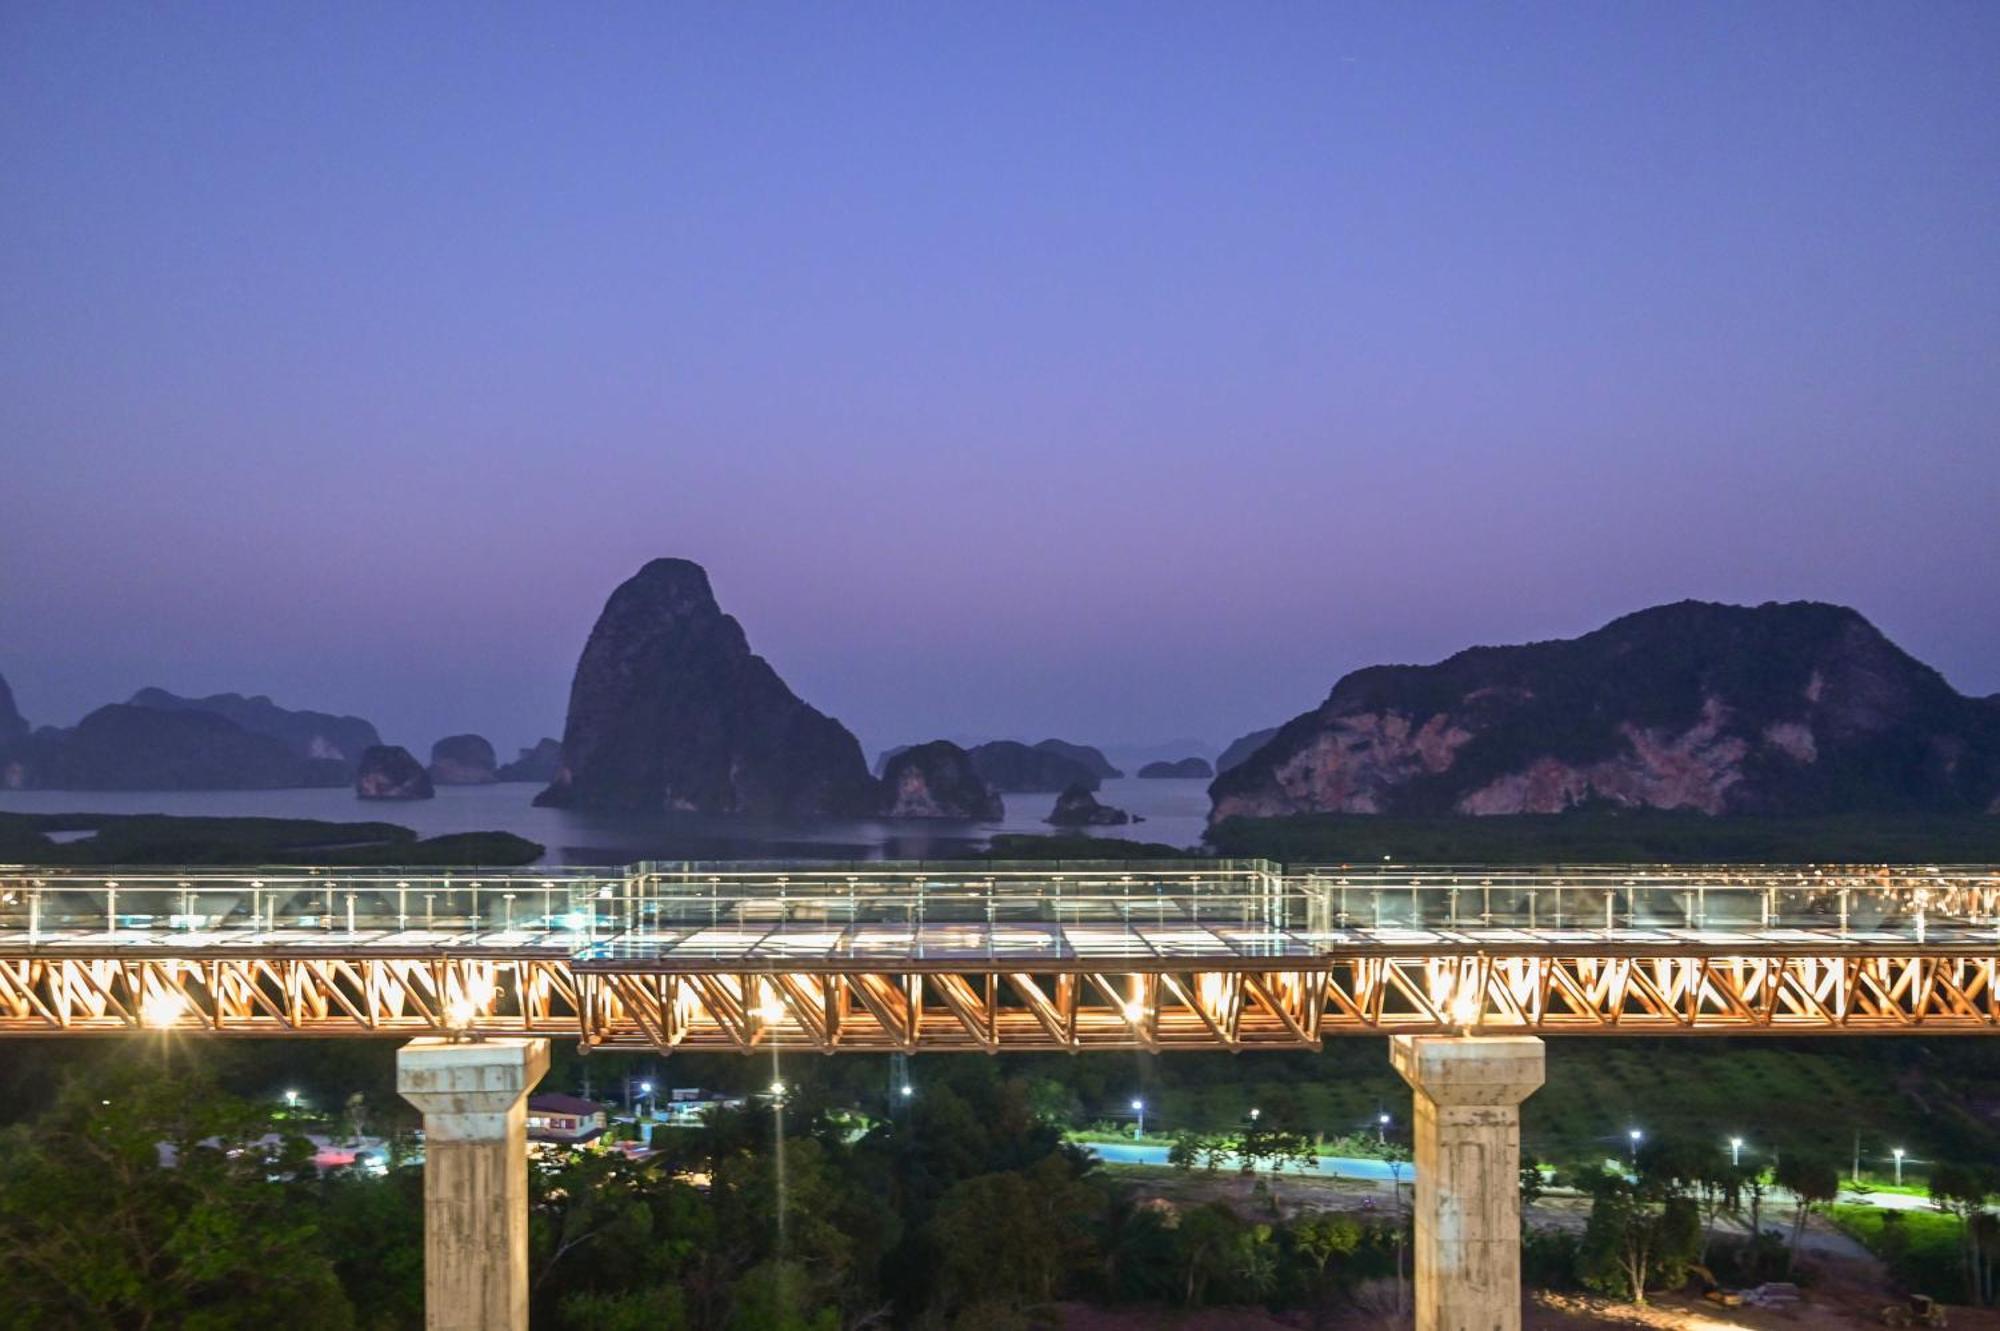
[777, 1296]
[1962, 1191]
[1756, 1185]
[1639, 1234]
[1011, 1238]
[1532, 1182]
[1696, 1168]
[1318, 1238]
[1209, 1238]
[1813, 1181]
[1136, 1248]
[148, 1199]
[1189, 1149]
[660, 1308]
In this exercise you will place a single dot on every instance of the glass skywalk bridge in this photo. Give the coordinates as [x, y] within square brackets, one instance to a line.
[1198, 953]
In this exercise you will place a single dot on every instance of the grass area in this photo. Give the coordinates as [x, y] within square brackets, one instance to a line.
[1099, 1136]
[1614, 837]
[1924, 1250]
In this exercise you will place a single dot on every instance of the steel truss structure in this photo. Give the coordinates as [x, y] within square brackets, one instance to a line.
[994, 1011]
[1023, 958]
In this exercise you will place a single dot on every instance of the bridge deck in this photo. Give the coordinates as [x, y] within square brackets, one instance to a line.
[1185, 955]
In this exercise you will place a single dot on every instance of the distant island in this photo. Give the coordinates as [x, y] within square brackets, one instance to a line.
[1783, 709]
[1078, 807]
[1239, 750]
[1183, 769]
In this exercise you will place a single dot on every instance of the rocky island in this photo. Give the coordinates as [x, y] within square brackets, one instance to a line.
[330, 745]
[161, 741]
[1789, 709]
[1078, 807]
[937, 780]
[671, 710]
[1183, 769]
[538, 763]
[391, 772]
[463, 760]
[1012, 766]
[1090, 757]
[123, 747]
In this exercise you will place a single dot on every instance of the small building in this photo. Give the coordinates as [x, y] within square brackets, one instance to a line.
[687, 1108]
[564, 1118]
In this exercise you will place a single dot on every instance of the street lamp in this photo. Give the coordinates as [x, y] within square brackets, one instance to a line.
[291, 1099]
[1139, 1108]
[645, 1091]
[1634, 1135]
[1381, 1129]
[1898, 1153]
[907, 1091]
[1735, 1152]
[1255, 1114]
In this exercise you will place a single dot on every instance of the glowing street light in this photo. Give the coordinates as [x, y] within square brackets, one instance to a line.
[1634, 1137]
[778, 1089]
[1255, 1114]
[1139, 1108]
[908, 1090]
[1898, 1153]
[291, 1099]
[1381, 1129]
[1735, 1152]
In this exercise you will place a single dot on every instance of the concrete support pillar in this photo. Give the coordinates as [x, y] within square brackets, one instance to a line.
[1468, 1190]
[472, 1096]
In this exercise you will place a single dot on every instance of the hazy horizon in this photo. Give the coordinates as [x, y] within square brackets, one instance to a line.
[1109, 373]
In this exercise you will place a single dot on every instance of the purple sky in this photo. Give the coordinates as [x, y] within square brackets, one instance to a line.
[1116, 372]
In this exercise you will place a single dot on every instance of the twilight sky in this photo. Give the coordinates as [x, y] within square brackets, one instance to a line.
[1112, 371]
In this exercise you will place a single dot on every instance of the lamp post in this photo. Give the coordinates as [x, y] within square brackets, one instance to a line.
[291, 1099]
[1139, 1108]
[645, 1092]
[1898, 1153]
[1633, 1138]
[1255, 1114]
[1381, 1129]
[1735, 1152]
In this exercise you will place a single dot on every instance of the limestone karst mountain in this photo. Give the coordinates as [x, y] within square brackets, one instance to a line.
[670, 709]
[334, 743]
[937, 780]
[464, 760]
[392, 772]
[1774, 709]
[1008, 765]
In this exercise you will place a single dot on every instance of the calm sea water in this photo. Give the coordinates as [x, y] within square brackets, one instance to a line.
[1175, 813]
